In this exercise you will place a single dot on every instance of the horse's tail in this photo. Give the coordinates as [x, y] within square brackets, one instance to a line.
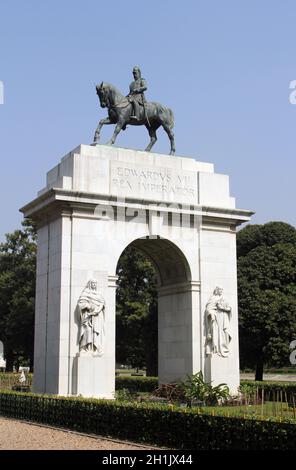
[171, 118]
[165, 115]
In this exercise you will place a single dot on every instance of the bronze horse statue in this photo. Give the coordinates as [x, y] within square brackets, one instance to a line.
[120, 110]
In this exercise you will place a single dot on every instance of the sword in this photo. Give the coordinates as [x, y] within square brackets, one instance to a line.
[145, 110]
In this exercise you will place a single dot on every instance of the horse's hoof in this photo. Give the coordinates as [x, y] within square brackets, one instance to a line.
[109, 142]
[94, 144]
[172, 153]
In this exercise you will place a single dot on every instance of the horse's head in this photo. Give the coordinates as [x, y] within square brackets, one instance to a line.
[108, 94]
[102, 92]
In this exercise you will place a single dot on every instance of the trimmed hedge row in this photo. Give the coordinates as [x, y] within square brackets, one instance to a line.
[149, 384]
[273, 391]
[136, 384]
[133, 384]
[155, 424]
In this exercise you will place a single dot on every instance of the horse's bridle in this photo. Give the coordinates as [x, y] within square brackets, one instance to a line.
[107, 101]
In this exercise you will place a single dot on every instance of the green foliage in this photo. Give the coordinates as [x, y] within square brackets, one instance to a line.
[151, 423]
[132, 384]
[269, 234]
[195, 388]
[247, 389]
[11, 379]
[17, 295]
[124, 394]
[136, 312]
[136, 384]
[273, 391]
[266, 294]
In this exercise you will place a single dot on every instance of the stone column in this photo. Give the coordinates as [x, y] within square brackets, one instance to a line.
[178, 331]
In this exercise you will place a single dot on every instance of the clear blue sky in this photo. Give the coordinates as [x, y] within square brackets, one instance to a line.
[224, 67]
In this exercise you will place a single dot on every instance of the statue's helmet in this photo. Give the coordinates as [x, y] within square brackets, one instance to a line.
[136, 68]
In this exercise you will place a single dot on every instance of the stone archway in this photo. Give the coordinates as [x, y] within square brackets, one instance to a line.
[99, 200]
[176, 324]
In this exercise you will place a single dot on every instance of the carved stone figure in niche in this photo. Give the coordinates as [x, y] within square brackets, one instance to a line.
[92, 317]
[217, 322]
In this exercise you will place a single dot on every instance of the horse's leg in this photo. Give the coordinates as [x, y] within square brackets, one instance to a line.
[118, 128]
[171, 136]
[153, 138]
[98, 129]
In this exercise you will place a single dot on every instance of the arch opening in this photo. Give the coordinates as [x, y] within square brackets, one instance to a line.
[170, 263]
[169, 315]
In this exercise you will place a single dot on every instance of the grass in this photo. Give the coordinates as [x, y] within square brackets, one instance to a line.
[278, 410]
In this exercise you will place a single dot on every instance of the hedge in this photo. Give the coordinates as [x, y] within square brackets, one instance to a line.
[150, 423]
[133, 384]
[273, 391]
[8, 379]
[149, 384]
[136, 384]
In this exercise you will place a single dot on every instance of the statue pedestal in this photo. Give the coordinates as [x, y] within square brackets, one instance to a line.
[225, 370]
[92, 377]
[97, 202]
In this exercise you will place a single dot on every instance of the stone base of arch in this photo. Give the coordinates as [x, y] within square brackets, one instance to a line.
[99, 200]
[179, 331]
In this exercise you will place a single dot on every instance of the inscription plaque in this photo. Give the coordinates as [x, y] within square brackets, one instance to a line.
[147, 182]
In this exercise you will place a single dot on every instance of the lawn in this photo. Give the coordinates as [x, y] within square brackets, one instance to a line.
[279, 410]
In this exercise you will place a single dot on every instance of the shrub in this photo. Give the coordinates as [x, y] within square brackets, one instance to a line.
[124, 394]
[136, 384]
[171, 392]
[273, 391]
[11, 379]
[195, 388]
[157, 424]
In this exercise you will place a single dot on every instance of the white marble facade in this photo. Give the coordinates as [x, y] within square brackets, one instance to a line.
[97, 201]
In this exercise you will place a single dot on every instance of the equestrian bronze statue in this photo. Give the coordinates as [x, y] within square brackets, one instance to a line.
[133, 110]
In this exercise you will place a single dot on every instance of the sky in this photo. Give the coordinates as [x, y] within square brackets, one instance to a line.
[224, 67]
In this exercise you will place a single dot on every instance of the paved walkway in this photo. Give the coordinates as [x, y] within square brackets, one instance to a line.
[271, 377]
[19, 435]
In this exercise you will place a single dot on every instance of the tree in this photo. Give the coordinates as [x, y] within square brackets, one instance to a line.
[266, 294]
[136, 311]
[17, 295]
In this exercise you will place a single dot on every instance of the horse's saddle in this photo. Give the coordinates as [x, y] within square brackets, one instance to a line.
[126, 101]
[123, 104]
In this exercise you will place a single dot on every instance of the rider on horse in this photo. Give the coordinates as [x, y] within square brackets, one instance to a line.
[136, 95]
[151, 115]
